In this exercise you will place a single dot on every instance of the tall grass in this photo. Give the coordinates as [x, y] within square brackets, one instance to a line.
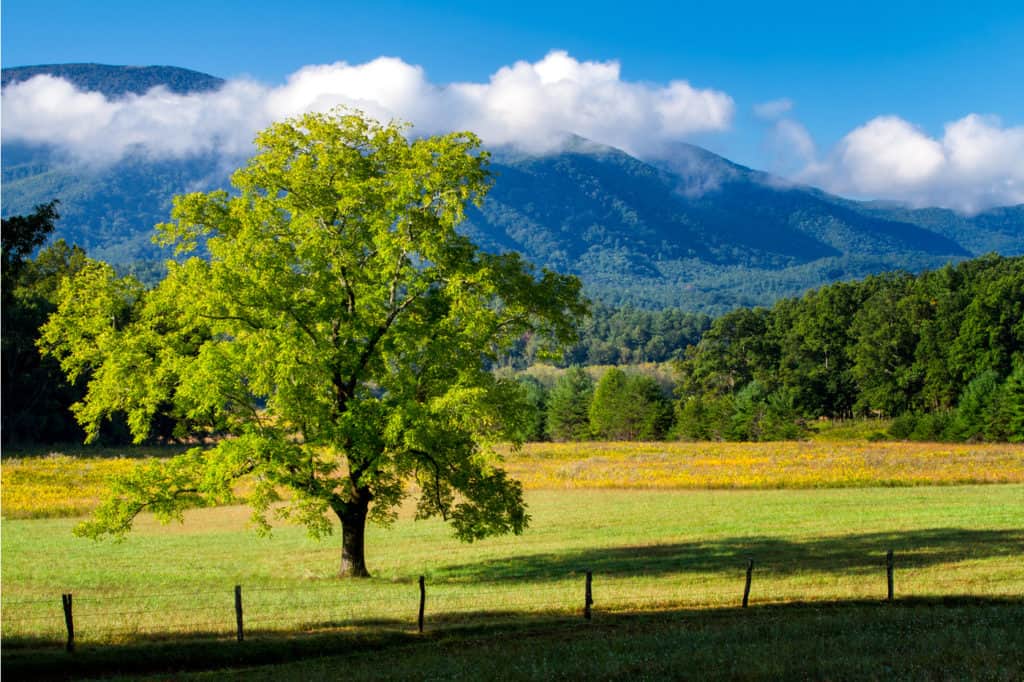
[58, 485]
[763, 465]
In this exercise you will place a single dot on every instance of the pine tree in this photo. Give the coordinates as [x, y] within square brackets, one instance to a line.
[569, 406]
[1011, 406]
[629, 407]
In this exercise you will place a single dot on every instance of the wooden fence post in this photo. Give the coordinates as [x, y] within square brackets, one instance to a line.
[238, 611]
[69, 621]
[588, 597]
[423, 603]
[746, 589]
[888, 572]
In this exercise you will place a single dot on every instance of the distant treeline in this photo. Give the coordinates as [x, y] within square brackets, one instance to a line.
[625, 336]
[942, 352]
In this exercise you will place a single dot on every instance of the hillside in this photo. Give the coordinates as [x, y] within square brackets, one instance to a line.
[117, 81]
[690, 230]
[648, 235]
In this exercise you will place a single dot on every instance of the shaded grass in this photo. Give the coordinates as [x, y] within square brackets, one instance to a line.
[830, 641]
[853, 554]
[911, 639]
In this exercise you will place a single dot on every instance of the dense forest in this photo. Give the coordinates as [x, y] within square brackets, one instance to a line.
[624, 336]
[36, 395]
[941, 352]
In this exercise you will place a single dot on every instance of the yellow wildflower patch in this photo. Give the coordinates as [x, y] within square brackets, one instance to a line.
[57, 485]
[60, 485]
[763, 465]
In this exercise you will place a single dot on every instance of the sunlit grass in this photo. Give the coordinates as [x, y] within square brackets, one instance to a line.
[666, 538]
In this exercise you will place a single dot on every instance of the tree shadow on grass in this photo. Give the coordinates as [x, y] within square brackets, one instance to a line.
[854, 553]
[1000, 622]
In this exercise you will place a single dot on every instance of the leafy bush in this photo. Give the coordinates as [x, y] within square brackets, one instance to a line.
[903, 426]
[932, 426]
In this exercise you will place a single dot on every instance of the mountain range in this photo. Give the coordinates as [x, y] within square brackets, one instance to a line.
[689, 229]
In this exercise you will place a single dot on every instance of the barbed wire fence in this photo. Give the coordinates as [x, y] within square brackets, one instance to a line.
[403, 606]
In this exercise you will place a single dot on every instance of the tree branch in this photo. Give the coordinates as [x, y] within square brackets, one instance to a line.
[349, 292]
[437, 480]
[378, 334]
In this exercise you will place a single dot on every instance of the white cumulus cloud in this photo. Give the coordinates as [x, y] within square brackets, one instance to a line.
[977, 163]
[532, 105]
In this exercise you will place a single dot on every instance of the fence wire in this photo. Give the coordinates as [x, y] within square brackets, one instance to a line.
[453, 603]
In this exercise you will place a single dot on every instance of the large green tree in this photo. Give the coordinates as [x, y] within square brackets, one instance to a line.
[338, 335]
[882, 353]
[735, 350]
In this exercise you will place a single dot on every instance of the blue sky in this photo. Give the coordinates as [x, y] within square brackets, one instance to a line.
[850, 82]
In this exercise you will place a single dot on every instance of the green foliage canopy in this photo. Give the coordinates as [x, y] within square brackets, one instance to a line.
[942, 351]
[338, 337]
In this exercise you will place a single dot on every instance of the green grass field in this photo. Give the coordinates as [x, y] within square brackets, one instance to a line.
[667, 565]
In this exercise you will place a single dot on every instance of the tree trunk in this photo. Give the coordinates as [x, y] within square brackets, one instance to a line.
[353, 534]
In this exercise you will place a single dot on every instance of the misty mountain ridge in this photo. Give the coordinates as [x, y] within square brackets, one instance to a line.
[689, 229]
[118, 81]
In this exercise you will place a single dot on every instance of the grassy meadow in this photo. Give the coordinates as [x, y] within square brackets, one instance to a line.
[668, 549]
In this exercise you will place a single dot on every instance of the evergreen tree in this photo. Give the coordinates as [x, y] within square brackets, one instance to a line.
[536, 397]
[568, 409]
[608, 418]
[1011, 406]
[628, 407]
[976, 414]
